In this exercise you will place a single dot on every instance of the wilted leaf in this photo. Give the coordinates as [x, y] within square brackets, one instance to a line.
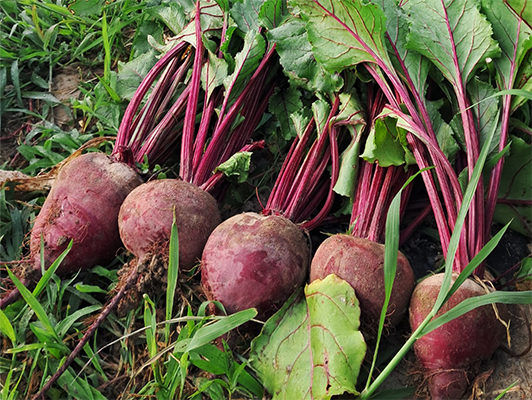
[382, 145]
[237, 166]
[312, 347]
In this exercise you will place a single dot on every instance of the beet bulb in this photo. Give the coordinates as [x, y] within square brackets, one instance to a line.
[83, 207]
[360, 262]
[146, 217]
[450, 353]
[252, 260]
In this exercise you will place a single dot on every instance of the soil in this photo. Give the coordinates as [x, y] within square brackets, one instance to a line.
[423, 252]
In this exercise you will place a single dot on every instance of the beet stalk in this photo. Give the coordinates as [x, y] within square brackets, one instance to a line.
[258, 260]
[358, 257]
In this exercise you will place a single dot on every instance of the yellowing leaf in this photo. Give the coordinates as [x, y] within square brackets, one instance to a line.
[312, 347]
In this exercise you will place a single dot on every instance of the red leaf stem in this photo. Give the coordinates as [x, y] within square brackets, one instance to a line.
[187, 142]
[124, 130]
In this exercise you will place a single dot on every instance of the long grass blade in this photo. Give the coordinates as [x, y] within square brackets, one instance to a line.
[6, 328]
[471, 303]
[35, 305]
[47, 275]
[211, 331]
[173, 272]
[477, 260]
[391, 248]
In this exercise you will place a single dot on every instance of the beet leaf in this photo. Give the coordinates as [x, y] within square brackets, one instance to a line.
[312, 347]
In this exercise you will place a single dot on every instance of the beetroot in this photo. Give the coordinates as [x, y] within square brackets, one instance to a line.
[258, 261]
[358, 257]
[449, 353]
[252, 260]
[146, 216]
[83, 207]
[360, 262]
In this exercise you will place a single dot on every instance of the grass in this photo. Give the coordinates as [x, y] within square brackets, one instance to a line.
[144, 352]
[163, 348]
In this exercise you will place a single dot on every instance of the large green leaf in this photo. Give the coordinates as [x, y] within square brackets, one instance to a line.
[409, 64]
[513, 38]
[383, 145]
[522, 8]
[312, 347]
[246, 62]
[514, 66]
[297, 59]
[345, 33]
[454, 35]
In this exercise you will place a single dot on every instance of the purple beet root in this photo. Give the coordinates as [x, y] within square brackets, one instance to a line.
[83, 206]
[449, 353]
[360, 262]
[147, 214]
[252, 260]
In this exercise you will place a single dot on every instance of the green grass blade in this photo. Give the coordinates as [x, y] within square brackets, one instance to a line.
[151, 326]
[471, 303]
[511, 92]
[391, 248]
[460, 219]
[211, 331]
[47, 275]
[500, 396]
[107, 50]
[95, 362]
[35, 305]
[7, 329]
[173, 272]
[63, 326]
[477, 260]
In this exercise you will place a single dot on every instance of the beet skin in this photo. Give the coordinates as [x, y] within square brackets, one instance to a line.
[449, 353]
[252, 260]
[147, 214]
[360, 262]
[83, 206]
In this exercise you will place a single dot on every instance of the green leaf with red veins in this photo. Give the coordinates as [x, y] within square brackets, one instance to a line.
[444, 132]
[485, 110]
[383, 144]
[515, 40]
[522, 8]
[213, 73]
[353, 118]
[524, 80]
[454, 35]
[513, 37]
[299, 64]
[413, 68]
[246, 62]
[245, 13]
[273, 13]
[345, 33]
[312, 347]
[283, 103]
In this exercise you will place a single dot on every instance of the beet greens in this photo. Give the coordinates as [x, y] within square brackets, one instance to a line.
[427, 57]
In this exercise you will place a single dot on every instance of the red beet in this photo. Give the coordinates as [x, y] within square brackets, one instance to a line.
[252, 260]
[147, 213]
[450, 353]
[83, 207]
[360, 262]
